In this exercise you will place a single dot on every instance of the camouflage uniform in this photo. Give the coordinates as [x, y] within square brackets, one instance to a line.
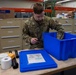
[33, 29]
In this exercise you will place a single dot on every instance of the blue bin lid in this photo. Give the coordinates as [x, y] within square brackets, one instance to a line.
[35, 60]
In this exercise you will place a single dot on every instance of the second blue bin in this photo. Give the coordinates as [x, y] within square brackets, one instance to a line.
[60, 49]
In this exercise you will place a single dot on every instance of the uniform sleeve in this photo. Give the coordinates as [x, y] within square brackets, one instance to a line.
[25, 34]
[58, 27]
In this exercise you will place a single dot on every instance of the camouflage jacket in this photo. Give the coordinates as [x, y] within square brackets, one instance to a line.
[34, 29]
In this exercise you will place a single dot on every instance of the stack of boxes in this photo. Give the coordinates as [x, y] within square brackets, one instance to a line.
[4, 14]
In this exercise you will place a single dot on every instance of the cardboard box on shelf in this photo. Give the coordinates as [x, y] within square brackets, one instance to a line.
[4, 14]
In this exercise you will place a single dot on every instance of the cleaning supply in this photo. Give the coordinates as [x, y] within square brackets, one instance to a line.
[12, 55]
[16, 53]
[14, 62]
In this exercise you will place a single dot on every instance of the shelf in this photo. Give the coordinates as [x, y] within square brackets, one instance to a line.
[23, 9]
[36, 0]
[65, 8]
[30, 10]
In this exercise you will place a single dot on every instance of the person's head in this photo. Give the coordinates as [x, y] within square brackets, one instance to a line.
[38, 12]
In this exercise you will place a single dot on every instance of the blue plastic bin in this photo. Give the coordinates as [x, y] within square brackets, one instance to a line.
[60, 49]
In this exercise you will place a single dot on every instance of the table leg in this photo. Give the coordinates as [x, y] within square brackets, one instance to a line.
[62, 73]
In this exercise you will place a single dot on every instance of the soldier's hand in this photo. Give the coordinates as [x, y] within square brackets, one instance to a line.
[34, 40]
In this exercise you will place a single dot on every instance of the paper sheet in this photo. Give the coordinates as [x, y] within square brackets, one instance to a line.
[35, 58]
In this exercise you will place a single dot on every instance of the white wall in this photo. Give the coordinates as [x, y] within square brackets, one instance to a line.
[28, 4]
[16, 3]
[70, 4]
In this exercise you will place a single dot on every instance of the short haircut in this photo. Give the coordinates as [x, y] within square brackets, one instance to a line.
[38, 8]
